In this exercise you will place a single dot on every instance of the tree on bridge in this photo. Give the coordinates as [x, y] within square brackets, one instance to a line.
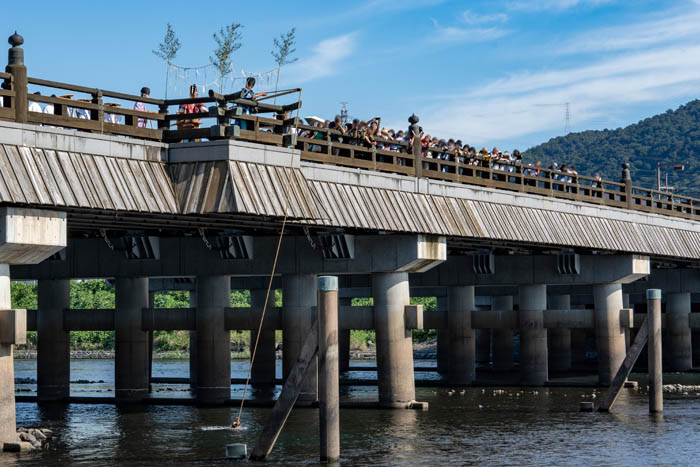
[228, 40]
[282, 52]
[167, 50]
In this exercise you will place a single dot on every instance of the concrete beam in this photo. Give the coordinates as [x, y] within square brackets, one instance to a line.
[29, 236]
[537, 269]
[88, 320]
[13, 327]
[188, 256]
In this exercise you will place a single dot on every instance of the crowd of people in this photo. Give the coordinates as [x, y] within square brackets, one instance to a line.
[371, 135]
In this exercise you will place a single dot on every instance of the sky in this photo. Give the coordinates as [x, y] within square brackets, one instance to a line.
[492, 72]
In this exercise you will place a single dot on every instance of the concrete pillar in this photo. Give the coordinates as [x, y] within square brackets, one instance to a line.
[193, 345]
[264, 367]
[579, 347]
[443, 340]
[213, 341]
[8, 426]
[502, 338]
[610, 338]
[462, 362]
[533, 335]
[344, 339]
[151, 304]
[628, 339]
[483, 345]
[298, 315]
[394, 341]
[53, 343]
[559, 339]
[130, 342]
[656, 390]
[329, 393]
[696, 347]
[680, 351]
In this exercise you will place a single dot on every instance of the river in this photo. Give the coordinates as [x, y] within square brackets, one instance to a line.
[505, 426]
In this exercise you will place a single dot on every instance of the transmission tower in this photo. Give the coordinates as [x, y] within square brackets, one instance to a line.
[567, 114]
[567, 128]
[344, 112]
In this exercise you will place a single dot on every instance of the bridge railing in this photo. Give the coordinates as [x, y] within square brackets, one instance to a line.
[7, 97]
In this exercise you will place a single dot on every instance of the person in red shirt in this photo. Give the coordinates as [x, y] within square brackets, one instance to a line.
[192, 108]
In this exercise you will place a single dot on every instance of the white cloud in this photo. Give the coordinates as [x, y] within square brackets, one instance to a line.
[450, 34]
[512, 107]
[628, 37]
[469, 17]
[541, 5]
[327, 59]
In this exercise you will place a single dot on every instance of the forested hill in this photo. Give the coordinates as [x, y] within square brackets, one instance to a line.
[673, 137]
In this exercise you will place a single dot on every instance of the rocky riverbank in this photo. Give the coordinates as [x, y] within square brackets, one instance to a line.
[30, 439]
[424, 350]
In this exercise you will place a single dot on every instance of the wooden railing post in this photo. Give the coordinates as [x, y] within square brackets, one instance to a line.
[15, 66]
[627, 180]
[416, 149]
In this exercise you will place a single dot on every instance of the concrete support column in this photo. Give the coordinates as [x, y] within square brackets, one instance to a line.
[483, 345]
[610, 338]
[502, 338]
[53, 343]
[579, 347]
[533, 335]
[298, 300]
[559, 339]
[394, 341]
[8, 423]
[344, 339]
[151, 304]
[628, 338]
[462, 361]
[696, 347]
[213, 340]
[679, 347]
[193, 345]
[443, 340]
[130, 342]
[264, 367]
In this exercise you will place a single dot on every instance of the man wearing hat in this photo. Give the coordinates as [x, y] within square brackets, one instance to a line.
[145, 92]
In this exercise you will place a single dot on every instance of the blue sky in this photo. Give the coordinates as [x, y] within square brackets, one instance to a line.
[494, 72]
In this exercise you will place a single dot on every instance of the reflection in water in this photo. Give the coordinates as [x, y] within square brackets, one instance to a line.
[478, 426]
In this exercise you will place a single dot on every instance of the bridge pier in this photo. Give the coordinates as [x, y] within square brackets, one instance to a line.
[503, 357]
[53, 342]
[213, 340]
[559, 338]
[679, 344]
[533, 335]
[263, 370]
[394, 342]
[443, 339]
[462, 362]
[610, 338]
[8, 426]
[193, 345]
[344, 339]
[298, 301]
[130, 341]
[483, 345]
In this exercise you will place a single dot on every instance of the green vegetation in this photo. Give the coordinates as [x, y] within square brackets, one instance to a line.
[671, 137]
[90, 294]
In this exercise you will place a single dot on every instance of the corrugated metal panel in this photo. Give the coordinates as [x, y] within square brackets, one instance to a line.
[49, 178]
[228, 187]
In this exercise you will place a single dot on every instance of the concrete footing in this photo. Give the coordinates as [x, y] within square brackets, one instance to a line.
[462, 361]
[533, 335]
[394, 342]
[503, 358]
[213, 340]
[679, 349]
[131, 361]
[559, 339]
[610, 337]
[53, 342]
[298, 315]
[265, 365]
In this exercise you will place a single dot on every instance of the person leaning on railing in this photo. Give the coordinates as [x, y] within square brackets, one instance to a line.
[145, 92]
[248, 94]
[191, 108]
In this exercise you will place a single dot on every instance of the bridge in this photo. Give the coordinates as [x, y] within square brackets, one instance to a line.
[505, 251]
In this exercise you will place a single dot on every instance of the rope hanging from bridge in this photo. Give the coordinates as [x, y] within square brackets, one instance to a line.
[237, 422]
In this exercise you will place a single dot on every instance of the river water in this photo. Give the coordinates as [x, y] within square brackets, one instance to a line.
[504, 426]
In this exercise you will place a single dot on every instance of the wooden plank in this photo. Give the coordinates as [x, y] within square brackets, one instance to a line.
[626, 368]
[287, 398]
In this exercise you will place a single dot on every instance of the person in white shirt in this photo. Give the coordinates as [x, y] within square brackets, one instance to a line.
[35, 106]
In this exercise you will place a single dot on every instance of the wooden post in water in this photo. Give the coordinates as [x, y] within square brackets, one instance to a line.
[656, 385]
[328, 384]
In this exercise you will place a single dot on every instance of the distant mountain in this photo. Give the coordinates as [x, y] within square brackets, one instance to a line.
[671, 137]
